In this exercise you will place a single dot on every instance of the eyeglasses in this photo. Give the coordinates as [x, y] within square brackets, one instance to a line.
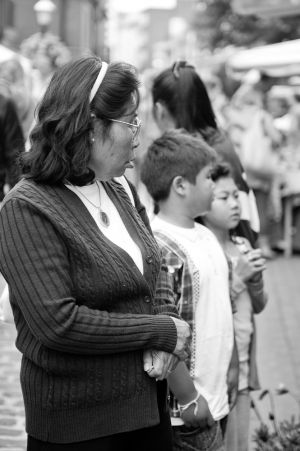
[135, 126]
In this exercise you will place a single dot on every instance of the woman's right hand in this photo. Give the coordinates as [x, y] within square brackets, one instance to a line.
[250, 264]
[183, 338]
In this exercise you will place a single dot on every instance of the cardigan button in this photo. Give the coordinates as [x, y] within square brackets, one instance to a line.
[147, 299]
[149, 259]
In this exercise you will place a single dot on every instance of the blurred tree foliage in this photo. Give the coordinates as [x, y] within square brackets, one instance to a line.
[217, 26]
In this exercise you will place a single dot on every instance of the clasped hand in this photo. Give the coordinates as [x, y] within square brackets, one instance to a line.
[159, 364]
[250, 264]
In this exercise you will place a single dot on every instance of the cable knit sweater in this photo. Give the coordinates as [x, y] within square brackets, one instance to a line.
[84, 314]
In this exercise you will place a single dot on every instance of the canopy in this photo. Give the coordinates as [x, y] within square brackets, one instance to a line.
[276, 60]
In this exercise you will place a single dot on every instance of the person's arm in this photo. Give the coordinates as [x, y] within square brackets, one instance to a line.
[13, 143]
[270, 129]
[248, 275]
[160, 362]
[193, 406]
[34, 261]
[164, 295]
[6, 313]
[165, 300]
[249, 265]
[259, 297]
[233, 377]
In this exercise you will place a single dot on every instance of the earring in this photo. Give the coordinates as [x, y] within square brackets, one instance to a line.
[92, 139]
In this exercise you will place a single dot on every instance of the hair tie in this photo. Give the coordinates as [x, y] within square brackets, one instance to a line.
[180, 65]
[99, 80]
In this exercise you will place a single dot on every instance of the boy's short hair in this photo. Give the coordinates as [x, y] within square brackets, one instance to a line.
[175, 153]
[221, 170]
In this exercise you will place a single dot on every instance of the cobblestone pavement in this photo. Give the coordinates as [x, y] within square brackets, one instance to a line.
[12, 427]
[278, 356]
[278, 341]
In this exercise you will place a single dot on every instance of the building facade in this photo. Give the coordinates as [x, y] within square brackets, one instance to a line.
[79, 23]
[152, 36]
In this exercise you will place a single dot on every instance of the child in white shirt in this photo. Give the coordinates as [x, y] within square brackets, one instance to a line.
[247, 292]
[177, 173]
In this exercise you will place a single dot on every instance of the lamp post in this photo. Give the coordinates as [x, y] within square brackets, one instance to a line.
[44, 10]
[99, 44]
[44, 49]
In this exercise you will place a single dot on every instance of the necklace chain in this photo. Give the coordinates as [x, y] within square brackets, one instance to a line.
[103, 217]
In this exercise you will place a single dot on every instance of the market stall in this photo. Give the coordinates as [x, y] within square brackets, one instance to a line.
[276, 60]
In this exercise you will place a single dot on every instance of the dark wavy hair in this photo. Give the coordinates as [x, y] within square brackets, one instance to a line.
[175, 153]
[184, 94]
[221, 170]
[60, 141]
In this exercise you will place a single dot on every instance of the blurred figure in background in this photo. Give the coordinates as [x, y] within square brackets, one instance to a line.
[181, 100]
[295, 126]
[217, 97]
[11, 144]
[10, 39]
[18, 84]
[258, 143]
[47, 53]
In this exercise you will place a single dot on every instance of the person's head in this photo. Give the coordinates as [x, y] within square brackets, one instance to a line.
[225, 211]
[50, 56]
[177, 167]
[15, 82]
[180, 100]
[78, 138]
[10, 38]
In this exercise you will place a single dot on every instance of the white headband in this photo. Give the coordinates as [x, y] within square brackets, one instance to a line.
[99, 80]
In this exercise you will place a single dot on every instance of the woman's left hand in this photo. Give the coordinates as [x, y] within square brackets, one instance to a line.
[159, 364]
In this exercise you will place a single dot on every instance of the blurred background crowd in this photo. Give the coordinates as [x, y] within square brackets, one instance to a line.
[246, 51]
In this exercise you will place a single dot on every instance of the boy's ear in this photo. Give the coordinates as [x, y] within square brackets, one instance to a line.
[179, 185]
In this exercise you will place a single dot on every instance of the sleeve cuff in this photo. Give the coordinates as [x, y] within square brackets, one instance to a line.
[164, 333]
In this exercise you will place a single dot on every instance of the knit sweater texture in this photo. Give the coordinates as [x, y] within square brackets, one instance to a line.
[84, 314]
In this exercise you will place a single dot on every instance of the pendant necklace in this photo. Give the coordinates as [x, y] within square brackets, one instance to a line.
[103, 217]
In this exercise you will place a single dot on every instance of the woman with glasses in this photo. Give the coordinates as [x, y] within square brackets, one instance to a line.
[82, 267]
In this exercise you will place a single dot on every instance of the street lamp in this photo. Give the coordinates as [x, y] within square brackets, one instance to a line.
[44, 10]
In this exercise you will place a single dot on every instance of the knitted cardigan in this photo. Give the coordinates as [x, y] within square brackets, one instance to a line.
[84, 314]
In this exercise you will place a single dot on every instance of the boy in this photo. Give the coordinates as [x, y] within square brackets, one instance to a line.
[247, 291]
[177, 173]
